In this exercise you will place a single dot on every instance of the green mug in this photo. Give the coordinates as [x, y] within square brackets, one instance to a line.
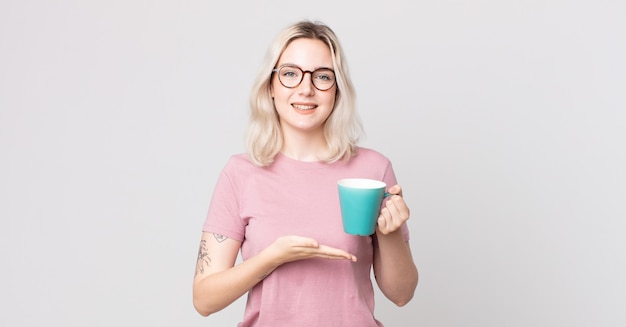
[360, 200]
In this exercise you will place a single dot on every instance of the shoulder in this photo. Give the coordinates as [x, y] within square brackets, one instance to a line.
[238, 165]
[370, 155]
[239, 161]
[369, 159]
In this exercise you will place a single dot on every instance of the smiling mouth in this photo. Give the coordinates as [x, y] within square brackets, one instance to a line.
[303, 107]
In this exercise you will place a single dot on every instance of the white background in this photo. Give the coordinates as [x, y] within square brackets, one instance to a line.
[504, 119]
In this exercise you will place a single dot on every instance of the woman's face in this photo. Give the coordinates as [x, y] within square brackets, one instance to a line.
[303, 108]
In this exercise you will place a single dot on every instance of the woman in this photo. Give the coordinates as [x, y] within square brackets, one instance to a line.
[278, 203]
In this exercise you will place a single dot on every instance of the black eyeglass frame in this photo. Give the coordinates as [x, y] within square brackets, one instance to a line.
[311, 72]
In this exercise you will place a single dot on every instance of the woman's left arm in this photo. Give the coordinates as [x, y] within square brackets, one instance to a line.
[394, 269]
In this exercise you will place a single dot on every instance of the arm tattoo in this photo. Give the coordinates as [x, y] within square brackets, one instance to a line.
[220, 238]
[204, 261]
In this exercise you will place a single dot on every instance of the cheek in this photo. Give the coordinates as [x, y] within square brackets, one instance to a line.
[281, 94]
[277, 91]
[332, 99]
[274, 86]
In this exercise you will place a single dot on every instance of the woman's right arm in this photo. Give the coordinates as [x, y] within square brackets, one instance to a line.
[218, 282]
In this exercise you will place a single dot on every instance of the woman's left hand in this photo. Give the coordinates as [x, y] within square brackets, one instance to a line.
[394, 213]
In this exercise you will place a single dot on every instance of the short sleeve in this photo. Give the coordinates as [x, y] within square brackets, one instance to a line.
[223, 216]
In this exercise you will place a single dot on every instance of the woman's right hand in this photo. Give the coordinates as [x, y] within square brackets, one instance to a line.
[218, 282]
[293, 248]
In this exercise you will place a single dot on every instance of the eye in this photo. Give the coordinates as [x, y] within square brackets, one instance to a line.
[289, 72]
[325, 75]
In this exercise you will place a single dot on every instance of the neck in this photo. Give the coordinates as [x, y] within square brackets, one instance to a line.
[304, 146]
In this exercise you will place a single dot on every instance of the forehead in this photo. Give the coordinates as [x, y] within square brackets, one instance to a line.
[307, 54]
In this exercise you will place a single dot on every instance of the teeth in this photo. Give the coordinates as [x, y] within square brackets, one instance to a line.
[300, 107]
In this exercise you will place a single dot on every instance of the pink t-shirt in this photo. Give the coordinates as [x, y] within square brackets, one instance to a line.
[257, 205]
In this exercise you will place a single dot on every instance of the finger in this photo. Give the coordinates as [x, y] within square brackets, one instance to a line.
[350, 257]
[334, 253]
[393, 208]
[302, 241]
[401, 207]
[384, 217]
[396, 189]
[396, 207]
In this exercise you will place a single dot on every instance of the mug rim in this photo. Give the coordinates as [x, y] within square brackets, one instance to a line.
[362, 183]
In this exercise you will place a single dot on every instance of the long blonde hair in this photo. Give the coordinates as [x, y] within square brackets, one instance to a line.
[342, 129]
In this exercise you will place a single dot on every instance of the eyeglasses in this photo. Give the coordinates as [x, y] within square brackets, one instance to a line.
[291, 76]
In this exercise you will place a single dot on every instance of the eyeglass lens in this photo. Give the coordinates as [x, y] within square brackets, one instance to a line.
[322, 78]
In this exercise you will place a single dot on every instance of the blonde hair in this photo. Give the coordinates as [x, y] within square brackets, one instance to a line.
[343, 127]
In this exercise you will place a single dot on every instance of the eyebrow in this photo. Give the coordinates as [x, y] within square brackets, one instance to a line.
[294, 65]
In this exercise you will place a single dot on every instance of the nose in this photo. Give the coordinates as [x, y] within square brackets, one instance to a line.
[306, 85]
